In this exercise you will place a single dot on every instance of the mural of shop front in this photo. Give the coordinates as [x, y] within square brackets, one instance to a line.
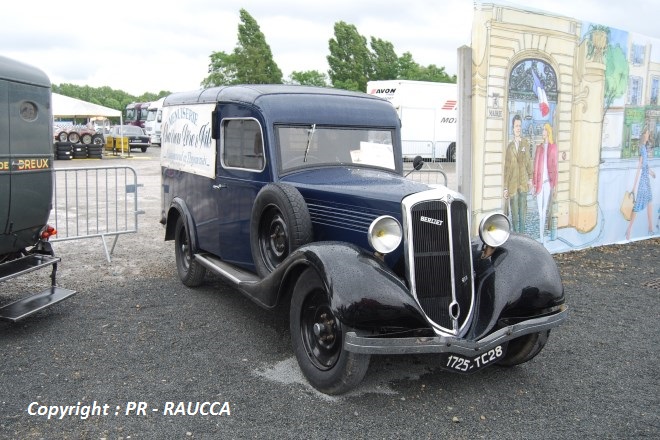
[560, 108]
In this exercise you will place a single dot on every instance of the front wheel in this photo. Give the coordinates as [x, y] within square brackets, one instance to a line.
[524, 348]
[190, 271]
[317, 337]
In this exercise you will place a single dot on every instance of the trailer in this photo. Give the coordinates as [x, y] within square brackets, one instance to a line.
[428, 113]
[26, 185]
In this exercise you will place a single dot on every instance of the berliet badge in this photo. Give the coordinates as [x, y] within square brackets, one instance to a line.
[433, 221]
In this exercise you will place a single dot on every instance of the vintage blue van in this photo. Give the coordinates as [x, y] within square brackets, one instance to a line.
[296, 196]
[26, 184]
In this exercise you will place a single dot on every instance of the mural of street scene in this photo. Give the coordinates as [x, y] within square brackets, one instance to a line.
[566, 127]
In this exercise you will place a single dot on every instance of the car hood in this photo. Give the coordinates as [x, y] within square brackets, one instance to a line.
[363, 187]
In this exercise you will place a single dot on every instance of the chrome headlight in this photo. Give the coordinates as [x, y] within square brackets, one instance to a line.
[385, 234]
[495, 229]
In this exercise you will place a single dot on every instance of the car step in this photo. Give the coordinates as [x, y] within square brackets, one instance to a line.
[230, 272]
[27, 306]
[25, 265]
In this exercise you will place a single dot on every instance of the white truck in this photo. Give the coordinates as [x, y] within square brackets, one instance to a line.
[428, 113]
[153, 122]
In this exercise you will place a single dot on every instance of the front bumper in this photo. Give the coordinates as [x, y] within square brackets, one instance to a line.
[443, 344]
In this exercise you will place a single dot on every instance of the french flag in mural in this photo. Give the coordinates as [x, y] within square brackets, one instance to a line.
[540, 94]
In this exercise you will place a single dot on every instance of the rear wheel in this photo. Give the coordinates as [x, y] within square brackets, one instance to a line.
[524, 348]
[317, 337]
[451, 152]
[190, 271]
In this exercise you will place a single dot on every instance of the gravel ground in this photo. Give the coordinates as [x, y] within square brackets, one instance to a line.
[133, 333]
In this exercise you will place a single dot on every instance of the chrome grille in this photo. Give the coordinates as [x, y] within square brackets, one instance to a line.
[439, 258]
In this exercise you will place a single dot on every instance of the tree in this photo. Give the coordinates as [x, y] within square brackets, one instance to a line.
[309, 78]
[352, 64]
[251, 62]
[385, 62]
[349, 59]
[616, 75]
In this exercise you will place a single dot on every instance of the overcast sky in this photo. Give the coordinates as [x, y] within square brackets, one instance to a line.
[147, 46]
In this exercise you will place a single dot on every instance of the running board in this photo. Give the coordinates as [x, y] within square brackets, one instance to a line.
[226, 270]
[24, 265]
[32, 304]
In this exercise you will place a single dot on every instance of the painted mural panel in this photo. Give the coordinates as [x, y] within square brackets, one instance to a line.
[577, 107]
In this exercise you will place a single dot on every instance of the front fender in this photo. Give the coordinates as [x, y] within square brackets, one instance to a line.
[364, 292]
[520, 279]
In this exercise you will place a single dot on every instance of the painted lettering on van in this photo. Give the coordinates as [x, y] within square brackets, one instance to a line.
[25, 164]
[186, 139]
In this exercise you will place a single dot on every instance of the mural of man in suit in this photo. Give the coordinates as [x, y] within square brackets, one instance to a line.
[517, 175]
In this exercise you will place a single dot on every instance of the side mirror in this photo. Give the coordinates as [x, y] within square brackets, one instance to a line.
[418, 163]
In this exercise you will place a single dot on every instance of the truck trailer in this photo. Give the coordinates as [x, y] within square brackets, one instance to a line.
[428, 113]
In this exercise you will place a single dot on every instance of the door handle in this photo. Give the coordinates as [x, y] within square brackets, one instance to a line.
[219, 186]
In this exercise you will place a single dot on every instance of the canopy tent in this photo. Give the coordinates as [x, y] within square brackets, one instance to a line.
[66, 107]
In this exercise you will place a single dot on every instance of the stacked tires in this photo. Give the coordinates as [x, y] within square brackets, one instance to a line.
[63, 150]
[68, 151]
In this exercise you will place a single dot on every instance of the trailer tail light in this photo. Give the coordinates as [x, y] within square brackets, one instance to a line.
[48, 232]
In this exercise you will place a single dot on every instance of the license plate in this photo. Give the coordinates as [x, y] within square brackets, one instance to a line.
[463, 364]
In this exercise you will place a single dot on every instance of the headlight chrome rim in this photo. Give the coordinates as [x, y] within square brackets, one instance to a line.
[385, 234]
[495, 229]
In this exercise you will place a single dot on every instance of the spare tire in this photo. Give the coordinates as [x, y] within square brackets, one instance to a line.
[279, 225]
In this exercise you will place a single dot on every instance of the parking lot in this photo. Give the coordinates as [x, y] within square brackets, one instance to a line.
[135, 354]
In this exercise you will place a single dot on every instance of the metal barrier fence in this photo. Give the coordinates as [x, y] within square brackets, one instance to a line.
[430, 173]
[95, 202]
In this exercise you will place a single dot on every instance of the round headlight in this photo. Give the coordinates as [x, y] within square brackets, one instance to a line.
[385, 234]
[494, 229]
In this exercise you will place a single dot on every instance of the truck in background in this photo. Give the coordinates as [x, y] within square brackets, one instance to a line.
[428, 113]
[153, 122]
[136, 113]
[26, 185]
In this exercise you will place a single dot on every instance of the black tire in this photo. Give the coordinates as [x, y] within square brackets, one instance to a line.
[524, 348]
[317, 337]
[94, 149]
[144, 149]
[64, 157]
[190, 271]
[63, 147]
[451, 152]
[280, 224]
[63, 136]
[74, 137]
[97, 139]
[86, 138]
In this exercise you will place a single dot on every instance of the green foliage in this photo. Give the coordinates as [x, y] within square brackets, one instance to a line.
[350, 60]
[251, 62]
[352, 64]
[308, 78]
[105, 96]
[616, 74]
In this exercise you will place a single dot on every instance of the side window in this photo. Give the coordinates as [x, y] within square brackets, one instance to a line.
[243, 146]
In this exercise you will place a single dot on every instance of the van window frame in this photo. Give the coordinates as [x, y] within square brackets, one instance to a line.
[223, 131]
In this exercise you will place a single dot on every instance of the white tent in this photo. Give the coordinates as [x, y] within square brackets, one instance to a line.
[64, 106]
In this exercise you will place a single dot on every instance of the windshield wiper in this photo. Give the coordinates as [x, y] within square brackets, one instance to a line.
[310, 135]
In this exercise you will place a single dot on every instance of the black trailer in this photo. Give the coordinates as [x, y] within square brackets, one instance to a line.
[26, 184]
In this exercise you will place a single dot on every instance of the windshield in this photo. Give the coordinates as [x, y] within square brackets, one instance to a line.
[311, 145]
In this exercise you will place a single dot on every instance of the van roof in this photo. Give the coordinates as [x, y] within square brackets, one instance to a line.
[287, 103]
[19, 72]
[251, 92]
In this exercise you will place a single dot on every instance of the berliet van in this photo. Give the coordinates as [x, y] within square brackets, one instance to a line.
[296, 195]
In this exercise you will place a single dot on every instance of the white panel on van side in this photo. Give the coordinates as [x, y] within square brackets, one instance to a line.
[186, 143]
